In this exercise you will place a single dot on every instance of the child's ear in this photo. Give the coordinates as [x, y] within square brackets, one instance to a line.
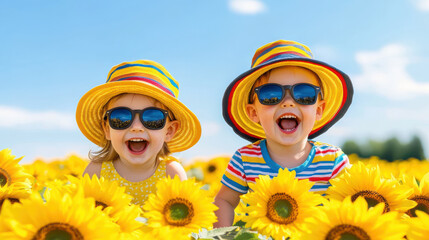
[106, 129]
[252, 113]
[320, 109]
[172, 128]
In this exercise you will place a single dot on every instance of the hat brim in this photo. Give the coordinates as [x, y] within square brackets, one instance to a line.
[89, 112]
[337, 92]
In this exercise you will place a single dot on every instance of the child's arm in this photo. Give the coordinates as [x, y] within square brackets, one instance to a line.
[93, 168]
[226, 200]
[175, 168]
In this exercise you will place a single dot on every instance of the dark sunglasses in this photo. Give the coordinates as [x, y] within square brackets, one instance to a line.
[122, 117]
[302, 93]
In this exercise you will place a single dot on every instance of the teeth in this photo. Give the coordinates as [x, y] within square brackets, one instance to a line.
[136, 140]
[288, 116]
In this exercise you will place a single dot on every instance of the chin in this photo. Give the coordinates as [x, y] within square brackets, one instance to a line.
[292, 139]
[137, 161]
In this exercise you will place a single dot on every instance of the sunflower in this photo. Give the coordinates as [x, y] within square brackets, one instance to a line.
[74, 165]
[367, 182]
[108, 195]
[280, 206]
[239, 213]
[71, 165]
[61, 217]
[349, 219]
[214, 169]
[112, 199]
[41, 172]
[414, 167]
[130, 227]
[167, 233]
[420, 194]
[10, 170]
[15, 192]
[178, 206]
[419, 226]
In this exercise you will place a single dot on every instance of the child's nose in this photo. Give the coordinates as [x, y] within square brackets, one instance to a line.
[288, 100]
[137, 125]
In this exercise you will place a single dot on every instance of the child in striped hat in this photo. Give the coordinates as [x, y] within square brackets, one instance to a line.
[137, 120]
[283, 101]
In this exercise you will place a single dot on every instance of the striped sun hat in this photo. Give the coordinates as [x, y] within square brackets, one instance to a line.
[141, 77]
[336, 86]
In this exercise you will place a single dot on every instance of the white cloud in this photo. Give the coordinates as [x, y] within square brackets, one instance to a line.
[422, 5]
[404, 114]
[210, 128]
[247, 6]
[11, 117]
[384, 73]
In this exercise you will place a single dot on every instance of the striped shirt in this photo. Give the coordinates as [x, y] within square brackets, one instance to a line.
[323, 163]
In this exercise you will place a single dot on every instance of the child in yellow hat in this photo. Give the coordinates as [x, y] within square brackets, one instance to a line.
[137, 120]
[284, 100]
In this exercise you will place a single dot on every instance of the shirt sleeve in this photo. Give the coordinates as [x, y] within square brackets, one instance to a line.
[234, 176]
[341, 162]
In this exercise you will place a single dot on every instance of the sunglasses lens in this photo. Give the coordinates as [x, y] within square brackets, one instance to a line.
[120, 118]
[305, 94]
[270, 94]
[153, 119]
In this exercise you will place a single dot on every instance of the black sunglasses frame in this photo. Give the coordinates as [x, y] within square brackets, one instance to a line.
[291, 90]
[134, 112]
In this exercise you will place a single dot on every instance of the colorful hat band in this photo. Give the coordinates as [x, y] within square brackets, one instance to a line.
[291, 47]
[282, 55]
[156, 75]
[147, 80]
[146, 66]
[292, 54]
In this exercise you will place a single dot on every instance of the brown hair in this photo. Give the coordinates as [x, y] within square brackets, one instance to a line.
[108, 153]
[261, 80]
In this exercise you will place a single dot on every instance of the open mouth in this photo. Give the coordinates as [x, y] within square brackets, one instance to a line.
[288, 123]
[137, 145]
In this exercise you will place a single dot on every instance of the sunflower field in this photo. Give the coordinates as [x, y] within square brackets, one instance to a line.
[373, 199]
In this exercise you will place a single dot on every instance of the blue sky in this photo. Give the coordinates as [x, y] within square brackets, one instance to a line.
[53, 52]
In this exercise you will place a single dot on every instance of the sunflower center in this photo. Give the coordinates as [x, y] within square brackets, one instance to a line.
[58, 231]
[282, 208]
[372, 198]
[178, 212]
[97, 203]
[422, 205]
[211, 168]
[4, 177]
[347, 232]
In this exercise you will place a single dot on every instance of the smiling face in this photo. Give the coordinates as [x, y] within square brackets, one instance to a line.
[137, 145]
[288, 122]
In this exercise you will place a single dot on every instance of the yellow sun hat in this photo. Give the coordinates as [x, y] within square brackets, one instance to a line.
[144, 77]
[336, 87]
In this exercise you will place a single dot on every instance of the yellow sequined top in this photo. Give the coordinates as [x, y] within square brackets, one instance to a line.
[138, 190]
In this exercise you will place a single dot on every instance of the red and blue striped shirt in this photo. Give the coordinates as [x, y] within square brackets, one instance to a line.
[323, 163]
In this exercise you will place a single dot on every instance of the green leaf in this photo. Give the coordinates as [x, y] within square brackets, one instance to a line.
[221, 231]
[240, 224]
[245, 235]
